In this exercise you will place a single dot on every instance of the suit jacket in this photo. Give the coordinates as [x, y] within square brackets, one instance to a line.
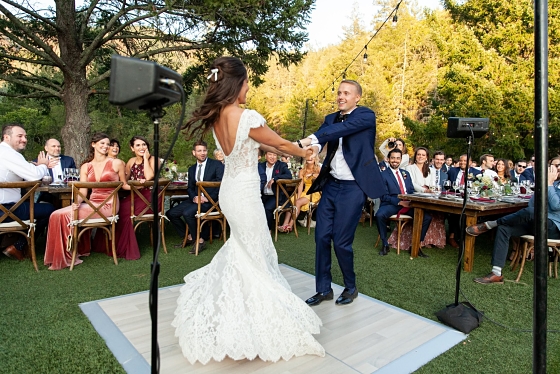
[453, 172]
[65, 162]
[358, 144]
[445, 168]
[528, 174]
[392, 186]
[279, 171]
[213, 172]
[442, 175]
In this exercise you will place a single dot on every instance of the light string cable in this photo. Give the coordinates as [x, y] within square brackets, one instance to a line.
[362, 51]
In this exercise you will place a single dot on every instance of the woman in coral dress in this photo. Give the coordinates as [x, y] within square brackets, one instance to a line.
[97, 168]
[138, 168]
[308, 174]
[240, 305]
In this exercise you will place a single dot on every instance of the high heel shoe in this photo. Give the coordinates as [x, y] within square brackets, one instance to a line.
[282, 228]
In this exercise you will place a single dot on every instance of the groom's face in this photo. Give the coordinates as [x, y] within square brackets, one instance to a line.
[348, 97]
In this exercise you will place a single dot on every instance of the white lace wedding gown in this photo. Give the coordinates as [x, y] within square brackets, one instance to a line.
[240, 305]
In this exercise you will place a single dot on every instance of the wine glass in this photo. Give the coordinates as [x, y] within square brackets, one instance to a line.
[181, 177]
[447, 185]
[456, 186]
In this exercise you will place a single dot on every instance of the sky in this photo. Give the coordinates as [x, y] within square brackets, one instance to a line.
[329, 17]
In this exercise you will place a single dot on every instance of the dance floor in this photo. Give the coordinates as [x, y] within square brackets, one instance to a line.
[364, 337]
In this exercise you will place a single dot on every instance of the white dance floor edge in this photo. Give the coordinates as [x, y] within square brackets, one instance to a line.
[364, 337]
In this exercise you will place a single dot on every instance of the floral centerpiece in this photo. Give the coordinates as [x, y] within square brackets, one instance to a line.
[170, 170]
[489, 186]
[295, 167]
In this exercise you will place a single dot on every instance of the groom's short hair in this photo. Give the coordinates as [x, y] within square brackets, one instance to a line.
[353, 83]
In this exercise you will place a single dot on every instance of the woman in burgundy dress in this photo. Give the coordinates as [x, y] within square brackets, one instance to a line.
[138, 168]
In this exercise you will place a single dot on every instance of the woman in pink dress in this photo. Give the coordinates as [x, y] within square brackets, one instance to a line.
[138, 168]
[97, 168]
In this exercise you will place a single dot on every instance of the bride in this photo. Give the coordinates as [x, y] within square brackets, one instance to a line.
[240, 305]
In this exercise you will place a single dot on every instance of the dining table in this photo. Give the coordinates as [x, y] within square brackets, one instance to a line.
[63, 192]
[453, 204]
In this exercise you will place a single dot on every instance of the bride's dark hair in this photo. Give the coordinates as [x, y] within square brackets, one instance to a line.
[225, 82]
[94, 139]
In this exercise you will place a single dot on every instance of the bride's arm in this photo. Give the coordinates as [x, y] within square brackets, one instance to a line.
[272, 142]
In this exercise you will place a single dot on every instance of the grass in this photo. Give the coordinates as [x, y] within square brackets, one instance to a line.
[42, 329]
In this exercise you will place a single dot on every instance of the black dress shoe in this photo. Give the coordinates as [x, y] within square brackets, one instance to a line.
[346, 297]
[319, 297]
[384, 250]
[422, 254]
[201, 247]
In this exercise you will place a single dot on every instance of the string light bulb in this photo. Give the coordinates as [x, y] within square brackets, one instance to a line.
[332, 88]
[365, 54]
[344, 75]
[324, 98]
[395, 19]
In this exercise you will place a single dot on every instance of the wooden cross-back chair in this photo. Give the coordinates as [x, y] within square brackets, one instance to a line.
[146, 215]
[95, 219]
[15, 225]
[312, 207]
[208, 217]
[285, 188]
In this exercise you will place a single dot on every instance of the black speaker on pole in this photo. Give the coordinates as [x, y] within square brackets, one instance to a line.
[458, 127]
[139, 84]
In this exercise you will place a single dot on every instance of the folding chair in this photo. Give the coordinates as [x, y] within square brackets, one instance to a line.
[17, 225]
[285, 188]
[146, 215]
[211, 215]
[95, 219]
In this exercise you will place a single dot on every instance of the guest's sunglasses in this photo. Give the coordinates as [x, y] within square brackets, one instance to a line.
[522, 166]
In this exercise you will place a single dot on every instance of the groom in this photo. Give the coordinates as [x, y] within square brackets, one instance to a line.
[349, 174]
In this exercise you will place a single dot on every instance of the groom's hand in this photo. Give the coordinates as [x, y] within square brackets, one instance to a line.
[312, 152]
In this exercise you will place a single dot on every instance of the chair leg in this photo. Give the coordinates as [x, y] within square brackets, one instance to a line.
[399, 230]
[197, 238]
[113, 244]
[294, 218]
[31, 246]
[162, 231]
[74, 249]
[186, 237]
[276, 219]
[526, 248]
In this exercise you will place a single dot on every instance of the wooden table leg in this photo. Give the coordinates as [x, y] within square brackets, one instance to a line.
[416, 231]
[469, 245]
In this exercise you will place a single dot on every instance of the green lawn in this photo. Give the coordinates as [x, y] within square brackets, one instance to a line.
[42, 329]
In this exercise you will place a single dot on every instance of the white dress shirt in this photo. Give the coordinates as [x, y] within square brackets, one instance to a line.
[268, 190]
[398, 176]
[198, 165]
[339, 167]
[57, 171]
[14, 168]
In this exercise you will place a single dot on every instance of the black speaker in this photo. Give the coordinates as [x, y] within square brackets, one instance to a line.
[139, 84]
[458, 127]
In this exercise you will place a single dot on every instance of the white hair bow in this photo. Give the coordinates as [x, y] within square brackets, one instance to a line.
[213, 72]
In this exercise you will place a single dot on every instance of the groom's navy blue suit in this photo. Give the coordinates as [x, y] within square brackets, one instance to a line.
[342, 200]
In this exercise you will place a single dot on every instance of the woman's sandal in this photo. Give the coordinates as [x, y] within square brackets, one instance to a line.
[283, 228]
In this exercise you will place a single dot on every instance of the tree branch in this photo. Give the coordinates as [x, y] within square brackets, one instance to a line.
[26, 83]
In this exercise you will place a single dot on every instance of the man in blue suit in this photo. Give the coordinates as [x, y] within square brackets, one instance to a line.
[53, 149]
[396, 181]
[270, 171]
[456, 175]
[520, 223]
[437, 169]
[528, 174]
[206, 170]
[349, 173]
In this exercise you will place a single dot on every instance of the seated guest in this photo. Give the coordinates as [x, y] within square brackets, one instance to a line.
[308, 174]
[397, 181]
[437, 168]
[520, 223]
[219, 155]
[52, 147]
[14, 168]
[518, 169]
[501, 168]
[98, 167]
[138, 168]
[457, 175]
[487, 165]
[270, 171]
[207, 170]
[448, 163]
[529, 173]
[114, 148]
[419, 170]
[390, 144]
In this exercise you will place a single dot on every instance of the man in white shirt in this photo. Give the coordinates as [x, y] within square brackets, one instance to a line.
[270, 171]
[14, 168]
[487, 165]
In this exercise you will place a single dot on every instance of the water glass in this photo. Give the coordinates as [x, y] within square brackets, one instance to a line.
[46, 180]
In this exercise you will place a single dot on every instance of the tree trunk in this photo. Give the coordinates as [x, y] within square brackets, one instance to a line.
[76, 130]
[75, 94]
